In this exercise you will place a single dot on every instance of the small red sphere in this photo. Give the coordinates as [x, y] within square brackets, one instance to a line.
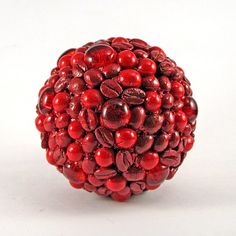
[127, 59]
[130, 78]
[177, 89]
[147, 67]
[49, 156]
[104, 157]
[91, 98]
[116, 183]
[61, 101]
[153, 101]
[74, 152]
[149, 160]
[64, 61]
[125, 138]
[75, 130]
[49, 122]
[62, 120]
[93, 77]
[39, 123]
[122, 195]
[180, 120]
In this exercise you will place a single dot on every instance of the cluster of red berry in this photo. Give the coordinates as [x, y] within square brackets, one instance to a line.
[116, 117]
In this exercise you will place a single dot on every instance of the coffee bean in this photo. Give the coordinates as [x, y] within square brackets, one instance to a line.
[140, 53]
[134, 174]
[104, 173]
[137, 117]
[59, 156]
[44, 140]
[111, 88]
[104, 136]
[170, 158]
[161, 142]
[88, 119]
[137, 187]
[144, 143]
[74, 107]
[124, 160]
[122, 46]
[138, 43]
[103, 191]
[61, 84]
[153, 123]
[111, 70]
[133, 96]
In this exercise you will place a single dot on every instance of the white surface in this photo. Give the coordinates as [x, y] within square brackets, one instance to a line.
[200, 36]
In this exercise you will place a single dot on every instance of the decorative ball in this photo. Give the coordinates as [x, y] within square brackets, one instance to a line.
[116, 117]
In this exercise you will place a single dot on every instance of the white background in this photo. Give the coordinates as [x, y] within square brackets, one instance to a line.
[200, 36]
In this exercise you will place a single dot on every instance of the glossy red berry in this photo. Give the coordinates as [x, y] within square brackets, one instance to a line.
[125, 138]
[116, 117]
[104, 157]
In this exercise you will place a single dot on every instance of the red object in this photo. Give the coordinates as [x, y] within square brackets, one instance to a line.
[116, 117]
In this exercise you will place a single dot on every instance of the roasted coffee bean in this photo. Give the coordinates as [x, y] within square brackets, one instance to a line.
[161, 142]
[167, 67]
[111, 70]
[140, 53]
[120, 46]
[61, 84]
[89, 187]
[88, 119]
[165, 83]
[172, 172]
[104, 136]
[153, 123]
[94, 181]
[157, 175]
[44, 140]
[169, 121]
[144, 143]
[124, 160]
[111, 88]
[104, 173]
[174, 139]
[151, 83]
[77, 71]
[89, 143]
[59, 156]
[170, 158]
[137, 117]
[157, 54]
[133, 96]
[134, 174]
[65, 72]
[137, 187]
[103, 191]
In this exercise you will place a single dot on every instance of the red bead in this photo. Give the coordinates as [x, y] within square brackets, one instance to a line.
[75, 130]
[167, 101]
[76, 86]
[104, 157]
[46, 96]
[61, 101]
[91, 98]
[74, 152]
[88, 166]
[115, 113]
[190, 108]
[64, 61]
[49, 123]
[116, 183]
[49, 156]
[76, 58]
[177, 89]
[130, 78]
[62, 121]
[147, 67]
[149, 160]
[157, 175]
[153, 101]
[75, 185]
[99, 55]
[188, 142]
[120, 40]
[74, 174]
[127, 59]
[39, 123]
[125, 138]
[151, 83]
[180, 120]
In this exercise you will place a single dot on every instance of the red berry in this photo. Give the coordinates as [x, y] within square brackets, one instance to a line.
[74, 174]
[39, 123]
[75, 130]
[149, 160]
[74, 152]
[91, 98]
[127, 59]
[147, 67]
[190, 108]
[49, 156]
[64, 61]
[61, 101]
[49, 123]
[62, 120]
[104, 157]
[125, 138]
[116, 183]
[180, 120]
[130, 78]
[177, 89]
[153, 101]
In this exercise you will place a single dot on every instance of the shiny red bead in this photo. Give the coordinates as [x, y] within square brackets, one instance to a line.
[116, 117]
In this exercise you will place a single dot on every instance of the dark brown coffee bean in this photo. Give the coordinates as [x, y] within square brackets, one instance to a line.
[61, 84]
[137, 187]
[104, 136]
[144, 143]
[124, 160]
[104, 173]
[133, 96]
[111, 70]
[122, 46]
[153, 123]
[88, 119]
[111, 88]
[137, 117]
[134, 174]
